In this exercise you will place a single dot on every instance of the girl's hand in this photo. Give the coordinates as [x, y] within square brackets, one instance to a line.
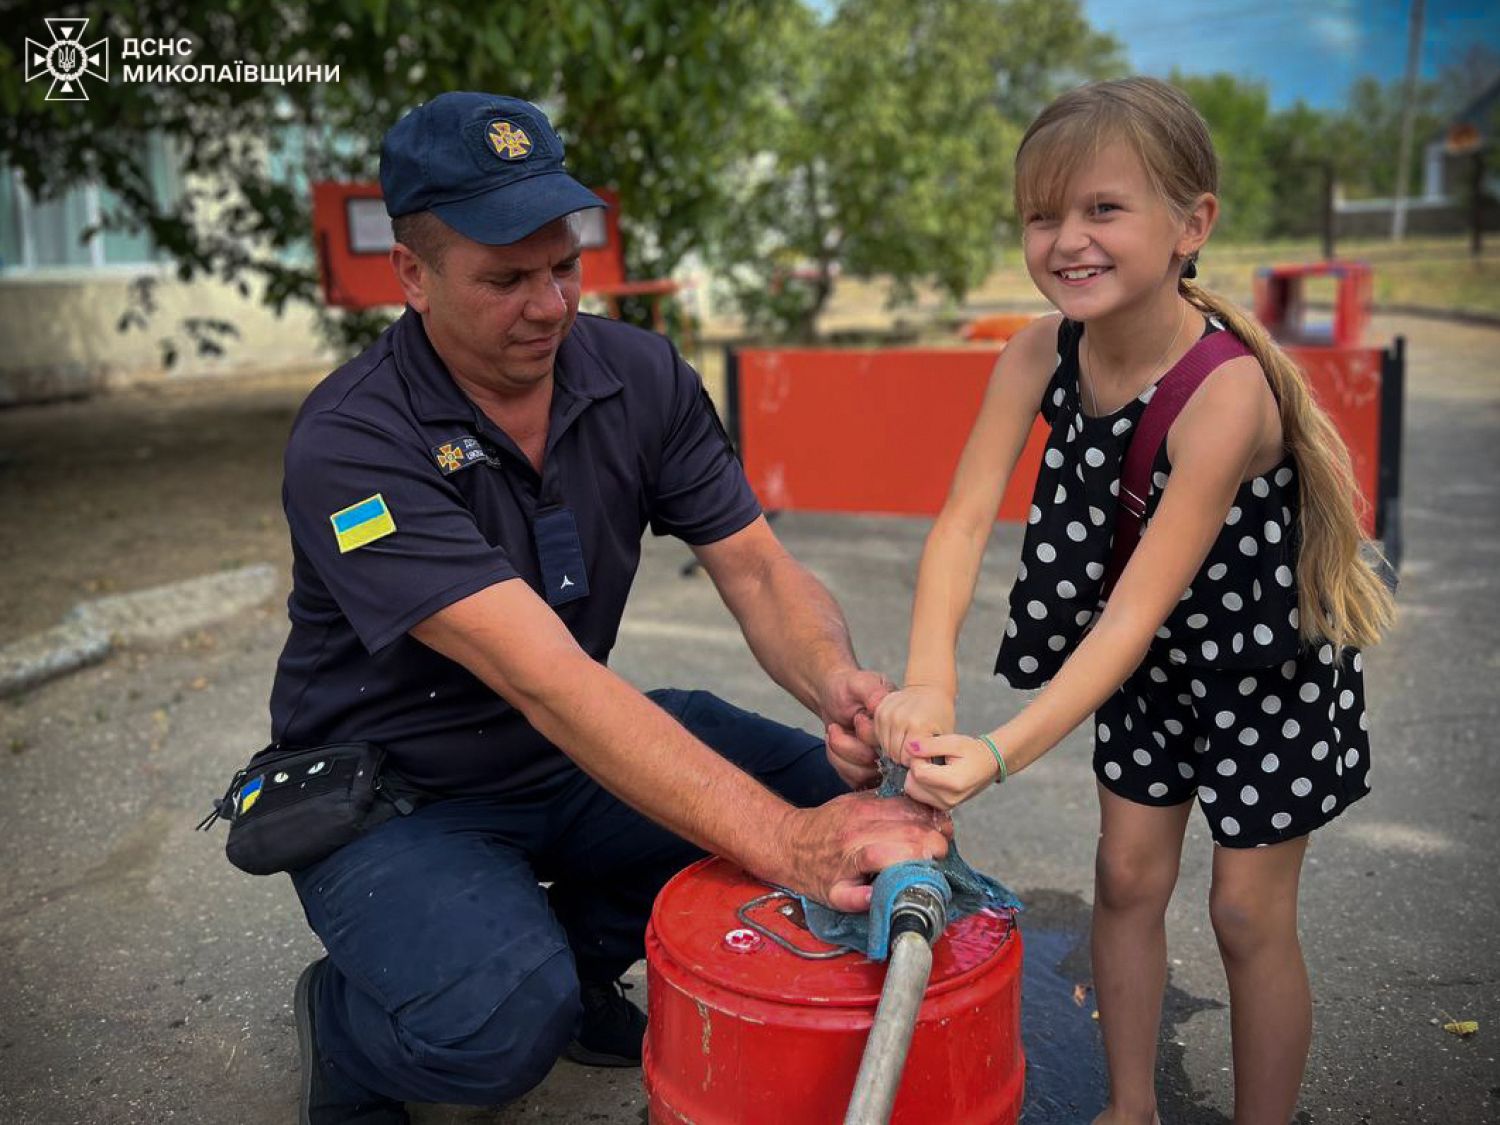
[911, 713]
[949, 770]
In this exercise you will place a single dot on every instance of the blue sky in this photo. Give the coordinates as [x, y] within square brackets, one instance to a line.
[1307, 49]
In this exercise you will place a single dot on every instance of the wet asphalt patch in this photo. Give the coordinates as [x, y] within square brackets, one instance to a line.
[1066, 1080]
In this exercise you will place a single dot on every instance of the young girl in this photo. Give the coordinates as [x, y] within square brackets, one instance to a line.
[1225, 663]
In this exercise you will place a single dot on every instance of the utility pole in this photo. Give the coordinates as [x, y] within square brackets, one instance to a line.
[1476, 229]
[1408, 112]
[1330, 214]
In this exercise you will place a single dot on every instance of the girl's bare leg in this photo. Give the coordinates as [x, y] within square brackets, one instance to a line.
[1140, 847]
[1253, 905]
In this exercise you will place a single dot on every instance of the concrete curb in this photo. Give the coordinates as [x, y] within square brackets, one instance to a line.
[42, 656]
[1454, 316]
[91, 629]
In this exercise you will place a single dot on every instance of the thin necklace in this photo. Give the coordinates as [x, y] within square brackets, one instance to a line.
[1156, 368]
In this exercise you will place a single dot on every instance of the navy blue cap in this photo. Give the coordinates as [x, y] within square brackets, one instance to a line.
[489, 166]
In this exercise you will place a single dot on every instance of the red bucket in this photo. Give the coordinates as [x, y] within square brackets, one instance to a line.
[754, 1020]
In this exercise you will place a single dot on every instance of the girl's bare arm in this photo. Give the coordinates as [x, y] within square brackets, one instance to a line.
[1220, 435]
[955, 546]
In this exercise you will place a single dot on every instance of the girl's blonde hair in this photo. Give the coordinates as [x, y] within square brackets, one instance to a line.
[1340, 596]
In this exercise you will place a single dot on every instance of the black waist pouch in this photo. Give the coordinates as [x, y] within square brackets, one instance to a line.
[287, 809]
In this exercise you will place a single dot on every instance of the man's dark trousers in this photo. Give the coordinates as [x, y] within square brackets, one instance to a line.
[454, 974]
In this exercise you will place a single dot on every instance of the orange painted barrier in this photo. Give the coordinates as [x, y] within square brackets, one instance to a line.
[829, 430]
[997, 326]
[880, 431]
[1347, 383]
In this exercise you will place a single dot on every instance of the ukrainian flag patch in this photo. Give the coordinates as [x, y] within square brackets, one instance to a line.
[362, 523]
[250, 793]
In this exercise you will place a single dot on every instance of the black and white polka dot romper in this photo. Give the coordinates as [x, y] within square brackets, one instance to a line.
[1228, 704]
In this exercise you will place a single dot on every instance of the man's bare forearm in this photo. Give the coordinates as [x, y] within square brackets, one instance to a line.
[513, 642]
[794, 627]
[645, 757]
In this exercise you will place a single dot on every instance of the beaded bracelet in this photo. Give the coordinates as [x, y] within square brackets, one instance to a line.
[999, 761]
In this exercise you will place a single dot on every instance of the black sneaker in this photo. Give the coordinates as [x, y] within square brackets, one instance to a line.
[613, 1028]
[328, 1098]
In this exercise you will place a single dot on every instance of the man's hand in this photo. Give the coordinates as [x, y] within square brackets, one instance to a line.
[837, 848]
[914, 712]
[847, 706]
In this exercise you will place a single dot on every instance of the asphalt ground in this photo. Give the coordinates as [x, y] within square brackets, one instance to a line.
[145, 980]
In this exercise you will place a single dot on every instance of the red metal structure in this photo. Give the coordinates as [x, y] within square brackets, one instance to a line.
[1282, 304]
[352, 236]
[755, 1020]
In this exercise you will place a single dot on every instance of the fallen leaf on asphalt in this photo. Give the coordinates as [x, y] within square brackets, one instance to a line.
[1462, 1028]
[199, 684]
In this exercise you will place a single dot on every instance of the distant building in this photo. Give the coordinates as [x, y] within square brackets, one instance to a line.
[62, 296]
[1442, 206]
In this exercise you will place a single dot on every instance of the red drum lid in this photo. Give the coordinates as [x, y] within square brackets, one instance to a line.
[723, 926]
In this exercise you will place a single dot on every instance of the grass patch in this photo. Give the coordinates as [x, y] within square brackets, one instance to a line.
[1429, 273]
[1419, 273]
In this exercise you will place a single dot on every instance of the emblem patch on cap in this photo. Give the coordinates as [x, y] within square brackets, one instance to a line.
[457, 454]
[509, 141]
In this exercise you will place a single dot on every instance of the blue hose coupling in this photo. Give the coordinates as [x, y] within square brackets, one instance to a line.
[914, 895]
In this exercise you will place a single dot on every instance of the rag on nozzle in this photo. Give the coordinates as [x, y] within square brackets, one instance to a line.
[965, 890]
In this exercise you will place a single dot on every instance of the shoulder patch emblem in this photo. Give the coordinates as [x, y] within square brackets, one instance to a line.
[362, 523]
[457, 454]
[508, 140]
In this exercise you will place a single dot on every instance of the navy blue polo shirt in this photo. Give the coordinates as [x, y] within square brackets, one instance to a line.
[403, 497]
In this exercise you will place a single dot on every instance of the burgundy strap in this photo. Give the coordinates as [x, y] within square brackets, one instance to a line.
[1172, 393]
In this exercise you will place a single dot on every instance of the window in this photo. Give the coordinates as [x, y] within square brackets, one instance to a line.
[49, 235]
